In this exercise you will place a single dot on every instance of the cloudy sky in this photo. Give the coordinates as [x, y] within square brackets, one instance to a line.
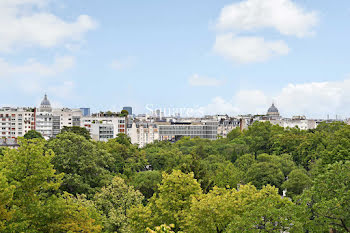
[221, 56]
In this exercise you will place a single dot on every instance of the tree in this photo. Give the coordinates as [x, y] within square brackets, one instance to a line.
[147, 182]
[162, 229]
[86, 167]
[124, 112]
[123, 139]
[338, 146]
[297, 182]
[31, 134]
[245, 161]
[327, 202]
[267, 212]
[243, 210]
[77, 130]
[114, 201]
[170, 205]
[259, 136]
[36, 205]
[235, 133]
[264, 173]
[225, 174]
[6, 195]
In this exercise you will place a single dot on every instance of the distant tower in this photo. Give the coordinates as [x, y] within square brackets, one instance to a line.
[129, 109]
[85, 111]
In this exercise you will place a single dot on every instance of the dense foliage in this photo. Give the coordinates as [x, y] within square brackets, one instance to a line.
[264, 179]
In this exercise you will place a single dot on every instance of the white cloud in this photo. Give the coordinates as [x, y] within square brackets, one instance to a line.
[196, 80]
[248, 49]
[316, 99]
[33, 67]
[251, 101]
[283, 15]
[218, 105]
[27, 23]
[62, 90]
[122, 63]
[34, 77]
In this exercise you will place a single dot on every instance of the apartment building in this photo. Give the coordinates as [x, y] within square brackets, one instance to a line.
[104, 126]
[15, 122]
[65, 117]
[142, 133]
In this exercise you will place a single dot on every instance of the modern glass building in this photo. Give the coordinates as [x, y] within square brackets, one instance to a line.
[175, 131]
[129, 109]
[85, 111]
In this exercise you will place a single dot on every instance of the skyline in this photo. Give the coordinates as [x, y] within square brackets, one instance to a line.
[188, 54]
[152, 110]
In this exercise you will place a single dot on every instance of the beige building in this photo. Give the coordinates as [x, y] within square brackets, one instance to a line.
[143, 133]
[15, 122]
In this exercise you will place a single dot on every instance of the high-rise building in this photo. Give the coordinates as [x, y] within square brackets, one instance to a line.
[129, 109]
[85, 111]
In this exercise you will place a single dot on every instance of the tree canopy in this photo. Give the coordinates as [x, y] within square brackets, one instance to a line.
[264, 179]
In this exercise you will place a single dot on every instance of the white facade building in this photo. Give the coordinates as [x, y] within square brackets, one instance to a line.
[65, 117]
[15, 122]
[102, 127]
[143, 133]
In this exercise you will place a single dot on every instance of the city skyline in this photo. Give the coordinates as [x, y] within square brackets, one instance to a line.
[220, 57]
[154, 110]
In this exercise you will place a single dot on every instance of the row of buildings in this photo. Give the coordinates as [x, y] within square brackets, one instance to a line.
[142, 129]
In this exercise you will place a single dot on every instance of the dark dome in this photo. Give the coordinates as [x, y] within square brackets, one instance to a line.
[45, 102]
[272, 110]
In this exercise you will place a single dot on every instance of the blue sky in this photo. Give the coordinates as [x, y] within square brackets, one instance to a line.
[213, 56]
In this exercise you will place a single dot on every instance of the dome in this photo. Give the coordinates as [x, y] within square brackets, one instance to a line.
[272, 110]
[45, 103]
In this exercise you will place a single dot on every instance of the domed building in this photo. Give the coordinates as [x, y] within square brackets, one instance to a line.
[272, 112]
[44, 118]
[45, 105]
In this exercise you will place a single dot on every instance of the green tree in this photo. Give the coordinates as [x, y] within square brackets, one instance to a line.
[114, 201]
[124, 112]
[77, 130]
[245, 161]
[85, 166]
[327, 202]
[31, 134]
[245, 210]
[235, 133]
[225, 174]
[264, 173]
[162, 229]
[146, 182]
[170, 205]
[259, 136]
[6, 195]
[36, 205]
[297, 182]
[338, 146]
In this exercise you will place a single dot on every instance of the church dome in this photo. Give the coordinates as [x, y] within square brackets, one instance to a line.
[45, 103]
[272, 110]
